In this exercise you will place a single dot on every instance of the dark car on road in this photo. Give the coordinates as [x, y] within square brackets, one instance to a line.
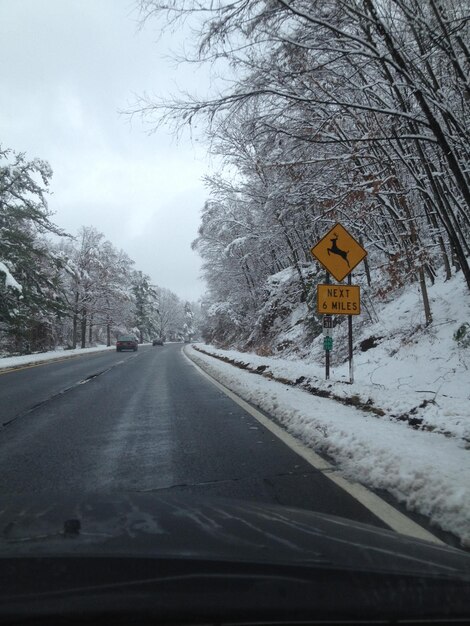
[127, 342]
[158, 341]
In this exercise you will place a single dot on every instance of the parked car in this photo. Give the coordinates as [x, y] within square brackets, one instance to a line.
[158, 341]
[127, 342]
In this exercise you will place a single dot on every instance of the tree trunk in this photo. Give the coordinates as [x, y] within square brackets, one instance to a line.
[75, 322]
[83, 345]
[74, 330]
[445, 212]
[424, 293]
[366, 264]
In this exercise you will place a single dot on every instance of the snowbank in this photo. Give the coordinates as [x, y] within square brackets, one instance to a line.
[408, 429]
[427, 471]
[31, 359]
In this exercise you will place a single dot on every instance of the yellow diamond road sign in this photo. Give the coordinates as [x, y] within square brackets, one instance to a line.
[338, 252]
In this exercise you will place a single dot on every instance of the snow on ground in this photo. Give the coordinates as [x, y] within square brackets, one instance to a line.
[415, 373]
[415, 442]
[427, 471]
[31, 359]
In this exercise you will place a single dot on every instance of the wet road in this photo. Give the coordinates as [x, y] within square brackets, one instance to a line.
[143, 422]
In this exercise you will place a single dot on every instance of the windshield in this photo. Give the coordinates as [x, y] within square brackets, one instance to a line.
[267, 203]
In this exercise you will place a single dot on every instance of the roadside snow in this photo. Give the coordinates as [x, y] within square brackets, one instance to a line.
[413, 373]
[410, 431]
[30, 359]
[430, 473]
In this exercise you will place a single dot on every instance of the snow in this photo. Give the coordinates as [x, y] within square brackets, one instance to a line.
[409, 429]
[31, 359]
[9, 279]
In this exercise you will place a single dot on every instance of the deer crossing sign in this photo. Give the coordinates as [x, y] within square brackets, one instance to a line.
[338, 252]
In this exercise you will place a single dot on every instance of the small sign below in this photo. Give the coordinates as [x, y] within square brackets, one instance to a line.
[339, 299]
[327, 325]
[328, 343]
[338, 252]
[327, 321]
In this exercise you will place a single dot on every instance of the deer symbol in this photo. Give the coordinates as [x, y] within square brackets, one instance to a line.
[335, 250]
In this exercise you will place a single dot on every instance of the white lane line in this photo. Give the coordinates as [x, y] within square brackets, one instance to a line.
[396, 520]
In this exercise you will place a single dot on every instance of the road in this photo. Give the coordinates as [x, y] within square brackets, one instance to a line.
[147, 421]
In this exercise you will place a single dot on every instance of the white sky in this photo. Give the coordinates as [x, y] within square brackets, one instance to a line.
[68, 67]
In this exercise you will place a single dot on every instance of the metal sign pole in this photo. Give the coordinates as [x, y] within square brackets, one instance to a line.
[327, 352]
[350, 342]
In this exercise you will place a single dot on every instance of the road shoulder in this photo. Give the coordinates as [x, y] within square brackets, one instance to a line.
[367, 452]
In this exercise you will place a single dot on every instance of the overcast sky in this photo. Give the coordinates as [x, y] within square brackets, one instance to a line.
[68, 67]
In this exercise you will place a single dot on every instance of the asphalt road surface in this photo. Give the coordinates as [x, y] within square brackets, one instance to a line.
[147, 421]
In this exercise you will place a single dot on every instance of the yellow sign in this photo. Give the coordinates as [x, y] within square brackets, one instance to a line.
[338, 252]
[339, 299]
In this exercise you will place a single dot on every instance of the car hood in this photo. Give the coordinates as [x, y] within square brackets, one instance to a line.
[156, 525]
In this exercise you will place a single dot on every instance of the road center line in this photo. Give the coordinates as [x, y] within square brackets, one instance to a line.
[62, 392]
[396, 520]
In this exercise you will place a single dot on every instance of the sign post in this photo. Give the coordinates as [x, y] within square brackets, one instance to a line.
[350, 343]
[339, 253]
[327, 346]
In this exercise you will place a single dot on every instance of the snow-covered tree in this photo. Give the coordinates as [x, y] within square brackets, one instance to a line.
[114, 306]
[146, 305]
[170, 317]
[345, 110]
[97, 282]
[30, 293]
